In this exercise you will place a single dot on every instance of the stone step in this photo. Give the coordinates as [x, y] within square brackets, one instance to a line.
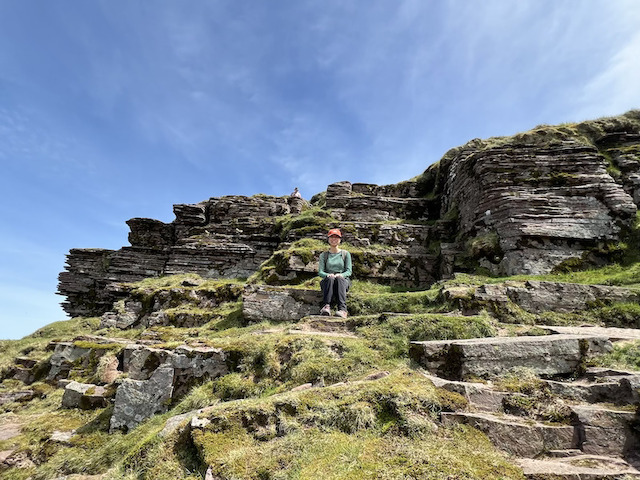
[612, 333]
[479, 395]
[579, 467]
[617, 390]
[325, 323]
[604, 431]
[514, 435]
[547, 355]
[595, 430]
[535, 296]
[279, 304]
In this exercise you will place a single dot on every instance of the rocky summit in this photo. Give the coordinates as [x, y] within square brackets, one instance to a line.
[493, 330]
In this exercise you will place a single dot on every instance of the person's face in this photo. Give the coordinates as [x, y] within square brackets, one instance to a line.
[334, 240]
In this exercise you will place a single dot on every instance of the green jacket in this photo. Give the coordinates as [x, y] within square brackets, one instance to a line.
[335, 263]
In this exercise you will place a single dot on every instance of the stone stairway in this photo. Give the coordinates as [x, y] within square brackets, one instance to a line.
[574, 423]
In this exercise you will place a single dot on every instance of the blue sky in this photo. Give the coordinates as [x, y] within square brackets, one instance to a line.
[121, 108]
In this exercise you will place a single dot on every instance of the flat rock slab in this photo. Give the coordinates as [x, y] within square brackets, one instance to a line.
[9, 430]
[513, 435]
[612, 333]
[617, 390]
[580, 467]
[546, 355]
[539, 296]
[279, 304]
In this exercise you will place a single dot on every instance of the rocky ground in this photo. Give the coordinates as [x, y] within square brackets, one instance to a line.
[423, 384]
[197, 352]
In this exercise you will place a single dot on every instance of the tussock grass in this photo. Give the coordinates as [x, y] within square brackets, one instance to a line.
[381, 429]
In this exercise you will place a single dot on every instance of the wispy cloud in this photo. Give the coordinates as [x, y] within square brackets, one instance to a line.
[615, 89]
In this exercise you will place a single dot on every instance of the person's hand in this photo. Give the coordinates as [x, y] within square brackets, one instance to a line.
[331, 275]
[338, 275]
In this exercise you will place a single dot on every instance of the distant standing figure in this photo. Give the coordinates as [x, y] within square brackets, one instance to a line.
[334, 267]
[296, 202]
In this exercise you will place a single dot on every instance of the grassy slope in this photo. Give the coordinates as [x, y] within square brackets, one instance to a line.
[383, 429]
[259, 429]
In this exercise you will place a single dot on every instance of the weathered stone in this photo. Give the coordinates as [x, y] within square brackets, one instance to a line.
[194, 365]
[65, 355]
[174, 423]
[621, 390]
[137, 400]
[537, 296]
[606, 432]
[146, 232]
[84, 395]
[279, 304]
[546, 203]
[514, 436]
[20, 396]
[199, 423]
[148, 308]
[171, 372]
[9, 429]
[490, 357]
[18, 459]
[582, 467]
[479, 395]
[612, 333]
[518, 205]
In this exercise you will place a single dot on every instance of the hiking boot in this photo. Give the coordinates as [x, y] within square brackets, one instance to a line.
[341, 314]
[326, 310]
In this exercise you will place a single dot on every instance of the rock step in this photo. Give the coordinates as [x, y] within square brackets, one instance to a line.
[324, 323]
[612, 333]
[595, 430]
[617, 390]
[479, 395]
[579, 467]
[535, 296]
[516, 436]
[546, 355]
[279, 304]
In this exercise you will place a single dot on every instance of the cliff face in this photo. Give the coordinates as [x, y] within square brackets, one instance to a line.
[522, 204]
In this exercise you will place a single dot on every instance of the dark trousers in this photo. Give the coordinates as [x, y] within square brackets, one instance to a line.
[335, 289]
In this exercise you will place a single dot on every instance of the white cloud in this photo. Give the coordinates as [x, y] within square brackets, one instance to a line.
[615, 90]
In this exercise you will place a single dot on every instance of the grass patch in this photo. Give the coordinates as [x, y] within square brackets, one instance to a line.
[381, 429]
[625, 355]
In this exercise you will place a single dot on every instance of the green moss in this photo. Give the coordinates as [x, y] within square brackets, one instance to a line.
[486, 245]
[381, 429]
[98, 346]
[311, 220]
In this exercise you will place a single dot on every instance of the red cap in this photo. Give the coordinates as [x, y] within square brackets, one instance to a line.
[335, 231]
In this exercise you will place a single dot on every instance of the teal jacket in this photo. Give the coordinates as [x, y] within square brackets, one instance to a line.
[335, 263]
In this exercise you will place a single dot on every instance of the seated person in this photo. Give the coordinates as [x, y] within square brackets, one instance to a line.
[334, 267]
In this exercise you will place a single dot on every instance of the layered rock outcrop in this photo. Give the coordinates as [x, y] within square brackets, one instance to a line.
[520, 205]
